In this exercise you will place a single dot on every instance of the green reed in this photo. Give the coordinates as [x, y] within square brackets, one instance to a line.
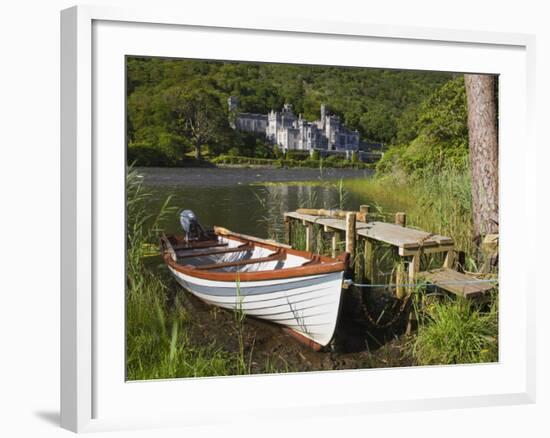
[157, 340]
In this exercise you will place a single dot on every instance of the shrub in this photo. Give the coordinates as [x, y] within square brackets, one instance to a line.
[313, 164]
[143, 154]
[233, 152]
[297, 155]
[277, 151]
[334, 158]
[456, 332]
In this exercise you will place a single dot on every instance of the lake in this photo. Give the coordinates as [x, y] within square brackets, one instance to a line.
[252, 201]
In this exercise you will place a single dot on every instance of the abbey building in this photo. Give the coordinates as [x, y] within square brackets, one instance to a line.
[294, 133]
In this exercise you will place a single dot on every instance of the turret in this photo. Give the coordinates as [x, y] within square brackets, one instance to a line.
[323, 114]
[232, 103]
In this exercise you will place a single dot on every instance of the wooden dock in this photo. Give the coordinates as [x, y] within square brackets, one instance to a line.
[355, 228]
[408, 240]
[456, 282]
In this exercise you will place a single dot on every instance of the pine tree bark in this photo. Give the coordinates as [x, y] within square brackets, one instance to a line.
[483, 141]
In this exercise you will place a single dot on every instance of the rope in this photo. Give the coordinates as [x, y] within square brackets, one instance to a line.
[405, 301]
[352, 283]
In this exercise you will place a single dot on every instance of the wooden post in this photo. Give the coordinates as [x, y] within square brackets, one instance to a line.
[350, 237]
[449, 259]
[401, 219]
[334, 243]
[309, 235]
[363, 213]
[369, 261]
[288, 230]
[414, 267]
[400, 279]
[350, 232]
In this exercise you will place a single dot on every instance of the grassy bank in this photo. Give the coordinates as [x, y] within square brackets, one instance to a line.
[150, 157]
[438, 202]
[449, 330]
[165, 338]
[289, 162]
[158, 341]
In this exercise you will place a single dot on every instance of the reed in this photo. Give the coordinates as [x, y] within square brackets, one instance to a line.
[157, 341]
[439, 202]
[456, 331]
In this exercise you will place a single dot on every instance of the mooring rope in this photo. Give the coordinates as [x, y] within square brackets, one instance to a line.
[352, 283]
[406, 300]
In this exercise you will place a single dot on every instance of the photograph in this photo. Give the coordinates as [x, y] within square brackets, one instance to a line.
[288, 218]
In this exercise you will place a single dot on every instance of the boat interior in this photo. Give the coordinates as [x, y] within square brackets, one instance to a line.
[227, 254]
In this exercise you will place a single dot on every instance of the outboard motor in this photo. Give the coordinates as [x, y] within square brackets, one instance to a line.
[191, 226]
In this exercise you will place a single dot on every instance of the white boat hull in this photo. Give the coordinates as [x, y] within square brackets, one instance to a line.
[308, 305]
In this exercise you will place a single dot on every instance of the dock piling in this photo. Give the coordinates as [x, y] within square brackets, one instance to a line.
[401, 219]
[350, 232]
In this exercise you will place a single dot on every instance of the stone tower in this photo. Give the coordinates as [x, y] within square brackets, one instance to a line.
[233, 103]
[323, 114]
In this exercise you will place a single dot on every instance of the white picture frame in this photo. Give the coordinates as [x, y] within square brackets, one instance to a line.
[94, 394]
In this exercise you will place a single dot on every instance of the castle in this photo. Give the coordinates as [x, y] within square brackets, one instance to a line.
[294, 133]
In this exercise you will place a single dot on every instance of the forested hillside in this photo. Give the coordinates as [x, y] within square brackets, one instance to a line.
[419, 116]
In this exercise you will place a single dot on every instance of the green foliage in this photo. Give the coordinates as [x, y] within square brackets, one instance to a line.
[144, 154]
[163, 93]
[334, 158]
[297, 155]
[277, 152]
[315, 155]
[312, 164]
[455, 332]
[439, 135]
[233, 152]
[445, 194]
[157, 344]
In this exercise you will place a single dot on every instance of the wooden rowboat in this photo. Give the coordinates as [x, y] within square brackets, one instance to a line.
[263, 279]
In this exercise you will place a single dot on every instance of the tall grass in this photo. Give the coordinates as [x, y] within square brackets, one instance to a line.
[435, 201]
[157, 341]
[456, 332]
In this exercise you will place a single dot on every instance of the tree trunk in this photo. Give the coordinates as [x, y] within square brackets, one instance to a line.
[483, 140]
[197, 152]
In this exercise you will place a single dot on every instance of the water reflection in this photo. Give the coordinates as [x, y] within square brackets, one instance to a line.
[223, 199]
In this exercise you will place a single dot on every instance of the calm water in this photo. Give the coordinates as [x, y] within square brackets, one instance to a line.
[251, 201]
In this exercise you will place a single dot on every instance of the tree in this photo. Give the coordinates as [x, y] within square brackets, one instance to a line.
[483, 143]
[196, 115]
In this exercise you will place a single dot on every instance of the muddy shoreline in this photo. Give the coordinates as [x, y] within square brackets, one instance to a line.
[268, 349]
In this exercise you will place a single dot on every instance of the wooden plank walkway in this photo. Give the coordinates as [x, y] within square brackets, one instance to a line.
[408, 240]
[460, 284]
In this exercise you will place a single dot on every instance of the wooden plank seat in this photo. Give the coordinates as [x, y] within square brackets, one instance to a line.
[278, 255]
[240, 248]
[456, 282]
[199, 245]
[314, 260]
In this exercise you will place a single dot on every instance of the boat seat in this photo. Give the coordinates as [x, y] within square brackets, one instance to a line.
[240, 248]
[278, 255]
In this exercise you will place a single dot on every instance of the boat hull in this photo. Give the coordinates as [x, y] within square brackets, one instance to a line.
[308, 305]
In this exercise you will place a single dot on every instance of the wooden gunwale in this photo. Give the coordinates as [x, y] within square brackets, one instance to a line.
[327, 265]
